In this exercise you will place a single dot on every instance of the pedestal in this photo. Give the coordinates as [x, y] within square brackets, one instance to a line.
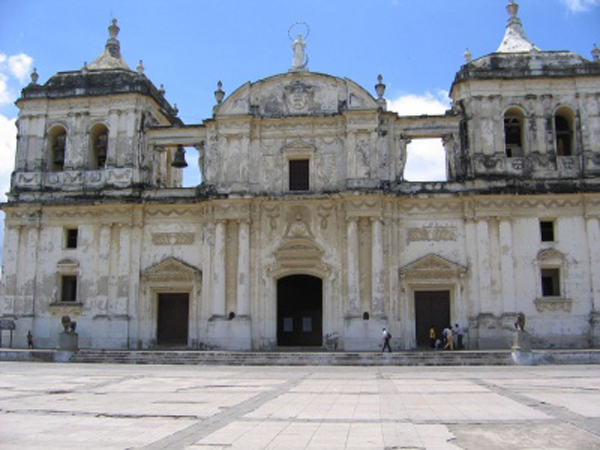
[68, 341]
[521, 341]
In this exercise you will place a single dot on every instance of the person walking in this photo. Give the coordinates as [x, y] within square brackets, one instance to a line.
[432, 337]
[450, 336]
[386, 341]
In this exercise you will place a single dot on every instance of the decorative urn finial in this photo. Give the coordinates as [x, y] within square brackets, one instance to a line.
[219, 93]
[113, 29]
[161, 89]
[596, 53]
[34, 76]
[468, 56]
[140, 68]
[380, 87]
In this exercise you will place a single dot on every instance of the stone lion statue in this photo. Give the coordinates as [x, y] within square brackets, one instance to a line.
[69, 325]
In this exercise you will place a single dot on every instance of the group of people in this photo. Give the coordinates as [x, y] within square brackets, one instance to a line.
[450, 339]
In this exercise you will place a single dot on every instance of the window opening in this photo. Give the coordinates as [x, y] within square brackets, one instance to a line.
[71, 237]
[513, 137]
[68, 291]
[547, 230]
[299, 175]
[550, 282]
[563, 136]
[425, 161]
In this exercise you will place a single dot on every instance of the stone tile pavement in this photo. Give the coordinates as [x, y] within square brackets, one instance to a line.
[96, 406]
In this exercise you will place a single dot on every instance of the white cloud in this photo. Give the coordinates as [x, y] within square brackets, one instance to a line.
[14, 71]
[581, 5]
[5, 96]
[20, 66]
[415, 105]
[426, 158]
[8, 144]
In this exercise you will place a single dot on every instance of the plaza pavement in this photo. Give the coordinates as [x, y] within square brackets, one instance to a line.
[102, 406]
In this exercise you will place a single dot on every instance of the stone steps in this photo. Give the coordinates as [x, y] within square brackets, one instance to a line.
[304, 358]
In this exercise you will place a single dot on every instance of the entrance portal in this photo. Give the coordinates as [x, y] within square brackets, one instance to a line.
[432, 309]
[173, 313]
[300, 311]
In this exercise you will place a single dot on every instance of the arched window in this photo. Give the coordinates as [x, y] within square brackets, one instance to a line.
[513, 132]
[57, 137]
[563, 132]
[98, 146]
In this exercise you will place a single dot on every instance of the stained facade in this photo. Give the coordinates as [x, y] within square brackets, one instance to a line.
[304, 231]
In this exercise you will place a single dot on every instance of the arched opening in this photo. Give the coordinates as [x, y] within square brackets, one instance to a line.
[98, 146]
[563, 132]
[300, 311]
[57, 137]
[513, 132]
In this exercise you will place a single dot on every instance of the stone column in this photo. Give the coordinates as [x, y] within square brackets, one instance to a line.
[12, 241]
[353, 269]
[593, 238]
[507, 266]
[218, 274]
[377, 287]
[103, 266]
[483, 262]
[27, 306]
[243, 270]
[113, 133]
[136, 246]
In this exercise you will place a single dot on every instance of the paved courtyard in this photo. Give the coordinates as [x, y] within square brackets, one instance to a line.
[76, 406]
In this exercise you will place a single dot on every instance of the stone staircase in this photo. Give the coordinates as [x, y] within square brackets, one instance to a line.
[296, 358]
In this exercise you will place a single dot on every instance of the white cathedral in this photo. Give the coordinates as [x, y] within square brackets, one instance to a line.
[304, 232]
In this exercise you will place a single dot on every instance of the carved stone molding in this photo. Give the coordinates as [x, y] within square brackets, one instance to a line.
[553, 304]
[435, 234]
[432, 267]
[173, 238]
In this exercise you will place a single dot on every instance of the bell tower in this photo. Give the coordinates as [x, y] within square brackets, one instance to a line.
[83, 131]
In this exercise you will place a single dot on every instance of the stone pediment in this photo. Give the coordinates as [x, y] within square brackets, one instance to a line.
[171, 269]
[550, 254]
[297, 94]
[432, 266]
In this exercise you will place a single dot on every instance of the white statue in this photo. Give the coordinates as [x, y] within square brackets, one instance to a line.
[299, 56]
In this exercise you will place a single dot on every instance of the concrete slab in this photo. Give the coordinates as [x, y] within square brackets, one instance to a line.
[97, 406]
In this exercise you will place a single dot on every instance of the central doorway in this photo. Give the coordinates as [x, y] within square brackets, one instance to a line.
[173, 315]
[300, 311]
[432, 309]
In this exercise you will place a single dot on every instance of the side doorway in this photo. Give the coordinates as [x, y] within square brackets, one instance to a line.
[173, 319]
[432, 309]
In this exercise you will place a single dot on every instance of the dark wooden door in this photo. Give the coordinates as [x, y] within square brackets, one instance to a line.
[432, 309]
[300, 311]
[173, 315]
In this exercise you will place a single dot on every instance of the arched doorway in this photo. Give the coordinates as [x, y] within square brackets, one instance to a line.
[300, 311]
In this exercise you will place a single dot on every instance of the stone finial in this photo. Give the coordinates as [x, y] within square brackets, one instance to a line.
[596, 53]
[113, 29]
[161, 89]
[175, 109]
[140, 68]
[219, 93]
[380, 87]
[515, 40]
[468, 56]
[34, 76]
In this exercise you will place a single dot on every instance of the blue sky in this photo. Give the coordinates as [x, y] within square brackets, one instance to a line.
[417, 45]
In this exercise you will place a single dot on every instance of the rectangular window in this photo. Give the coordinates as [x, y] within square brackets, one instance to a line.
[71, 235]
[299, 175]
[68, 292]
[547, 230]
[550, 282]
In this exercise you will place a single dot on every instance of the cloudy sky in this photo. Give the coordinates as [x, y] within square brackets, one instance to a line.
[189, 45]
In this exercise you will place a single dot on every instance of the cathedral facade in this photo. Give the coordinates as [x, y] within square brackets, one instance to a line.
[304, 232]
